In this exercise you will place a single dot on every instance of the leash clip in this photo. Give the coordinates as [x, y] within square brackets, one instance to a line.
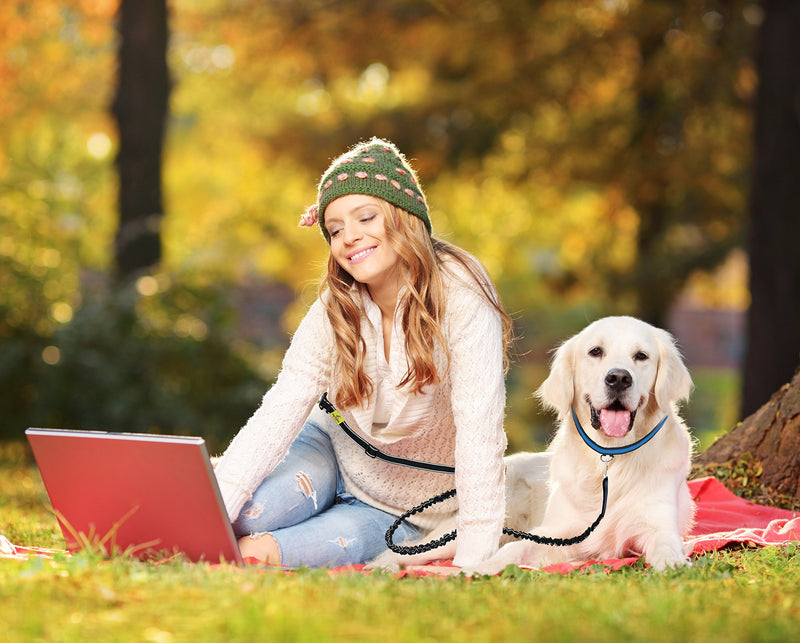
[607, 459]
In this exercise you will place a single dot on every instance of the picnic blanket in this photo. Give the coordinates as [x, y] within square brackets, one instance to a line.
[722, 519]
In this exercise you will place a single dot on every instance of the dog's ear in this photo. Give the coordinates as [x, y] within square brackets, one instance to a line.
[673, 381]
[557, 390]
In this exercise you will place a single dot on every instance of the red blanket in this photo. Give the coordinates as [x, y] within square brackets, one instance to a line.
[722, 519]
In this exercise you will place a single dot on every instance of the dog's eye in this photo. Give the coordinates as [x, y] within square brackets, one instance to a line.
[640, 356]
[596, 352]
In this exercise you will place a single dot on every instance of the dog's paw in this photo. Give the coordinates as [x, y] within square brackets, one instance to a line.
[388, 568]
[665, 561]
[511, 554]
[486, 568]
[388, 561]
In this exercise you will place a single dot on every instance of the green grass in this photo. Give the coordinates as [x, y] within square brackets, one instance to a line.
[736, 595]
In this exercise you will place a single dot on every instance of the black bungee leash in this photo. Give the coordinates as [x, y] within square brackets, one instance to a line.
[606, 456]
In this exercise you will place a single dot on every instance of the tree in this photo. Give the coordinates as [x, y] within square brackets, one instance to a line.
[767, 443]
[676, 166]
[626, 119]
[140, 108]
[773, 336]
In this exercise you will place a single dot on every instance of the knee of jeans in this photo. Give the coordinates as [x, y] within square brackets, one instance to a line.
[305, 486]
[265, 512]
[344, 543]
[252, 511]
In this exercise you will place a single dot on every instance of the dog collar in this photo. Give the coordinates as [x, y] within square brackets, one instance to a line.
[612, 451]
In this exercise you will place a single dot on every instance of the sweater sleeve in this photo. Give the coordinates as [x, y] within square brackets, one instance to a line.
[478, 399]
[266, 437]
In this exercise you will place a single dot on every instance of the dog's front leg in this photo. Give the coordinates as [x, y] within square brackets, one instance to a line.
[662, 544]
[665, 549]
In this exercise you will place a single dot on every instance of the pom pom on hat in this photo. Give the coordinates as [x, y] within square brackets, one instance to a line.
[310, 216]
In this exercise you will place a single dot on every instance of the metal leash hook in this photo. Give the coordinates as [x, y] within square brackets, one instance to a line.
[606, 458]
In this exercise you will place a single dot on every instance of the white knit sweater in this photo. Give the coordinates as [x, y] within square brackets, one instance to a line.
[457, 422]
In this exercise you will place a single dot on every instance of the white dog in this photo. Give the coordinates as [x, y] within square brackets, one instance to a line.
[622, 377]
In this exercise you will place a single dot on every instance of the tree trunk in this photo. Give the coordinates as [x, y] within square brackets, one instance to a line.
[773, 339]
[772, 437]
[140, 108]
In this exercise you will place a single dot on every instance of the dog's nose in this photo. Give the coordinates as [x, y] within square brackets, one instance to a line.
[618, 379]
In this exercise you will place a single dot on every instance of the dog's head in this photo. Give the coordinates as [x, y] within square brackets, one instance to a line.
[614, 369]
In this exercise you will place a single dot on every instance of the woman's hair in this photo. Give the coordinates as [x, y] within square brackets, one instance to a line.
[422, 262]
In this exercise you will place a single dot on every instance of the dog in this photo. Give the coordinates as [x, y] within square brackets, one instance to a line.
[621, 376]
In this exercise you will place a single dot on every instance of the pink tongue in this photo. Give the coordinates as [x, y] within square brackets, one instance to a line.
[615, 423]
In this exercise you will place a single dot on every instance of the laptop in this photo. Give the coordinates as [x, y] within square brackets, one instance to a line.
[134, 494]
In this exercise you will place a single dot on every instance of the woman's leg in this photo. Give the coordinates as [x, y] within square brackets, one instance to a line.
[301, 516]
[301, 486]
[348, 533]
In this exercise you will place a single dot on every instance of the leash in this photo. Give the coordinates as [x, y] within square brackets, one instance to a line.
[606, 456]
[522, 535]
[374, 452]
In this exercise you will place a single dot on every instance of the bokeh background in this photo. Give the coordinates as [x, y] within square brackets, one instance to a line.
[595, 155]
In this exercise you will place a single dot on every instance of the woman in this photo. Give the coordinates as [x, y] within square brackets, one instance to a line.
[409, 341]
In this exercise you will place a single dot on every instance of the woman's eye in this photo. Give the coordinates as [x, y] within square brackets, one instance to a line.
[596, 352]
[640, 356]
[368, 218]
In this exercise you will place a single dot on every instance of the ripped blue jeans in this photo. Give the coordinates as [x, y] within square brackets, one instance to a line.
[314, 521]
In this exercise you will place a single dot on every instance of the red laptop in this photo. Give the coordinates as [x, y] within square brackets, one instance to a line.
[135, 494]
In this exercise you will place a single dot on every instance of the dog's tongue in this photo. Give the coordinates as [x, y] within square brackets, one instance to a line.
[615, 423]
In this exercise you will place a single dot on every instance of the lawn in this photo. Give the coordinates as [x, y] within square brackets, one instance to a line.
[735, 595]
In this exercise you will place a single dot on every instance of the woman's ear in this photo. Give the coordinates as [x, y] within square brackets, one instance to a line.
[673, 381]
[557, 391]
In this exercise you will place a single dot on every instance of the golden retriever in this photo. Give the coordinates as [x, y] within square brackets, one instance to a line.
[622, 377]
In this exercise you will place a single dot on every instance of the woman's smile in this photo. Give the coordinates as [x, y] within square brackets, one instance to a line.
[359, 255]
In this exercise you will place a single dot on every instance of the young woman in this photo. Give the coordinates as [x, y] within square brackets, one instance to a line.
[409, 341]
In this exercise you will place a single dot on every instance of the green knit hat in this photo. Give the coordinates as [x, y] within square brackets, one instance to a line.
[376, 168]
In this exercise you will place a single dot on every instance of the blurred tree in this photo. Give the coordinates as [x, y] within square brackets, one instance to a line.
[773, 340]
[609, 137]
[680, 170]
[140, 108]
[55, 195]
[591, 153]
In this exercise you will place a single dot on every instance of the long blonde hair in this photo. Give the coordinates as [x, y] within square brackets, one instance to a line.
[422, 261]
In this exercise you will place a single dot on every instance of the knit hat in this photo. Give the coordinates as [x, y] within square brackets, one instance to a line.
[375, 168]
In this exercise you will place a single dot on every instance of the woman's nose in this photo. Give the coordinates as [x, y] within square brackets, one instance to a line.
[351, 233]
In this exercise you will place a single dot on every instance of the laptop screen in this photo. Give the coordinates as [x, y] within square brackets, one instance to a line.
[134, 494]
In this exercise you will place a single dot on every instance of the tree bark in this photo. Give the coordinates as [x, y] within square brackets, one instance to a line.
[772, 437]
[773, 336]
[140, 108]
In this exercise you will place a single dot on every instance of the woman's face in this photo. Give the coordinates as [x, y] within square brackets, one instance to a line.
[355, 225]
